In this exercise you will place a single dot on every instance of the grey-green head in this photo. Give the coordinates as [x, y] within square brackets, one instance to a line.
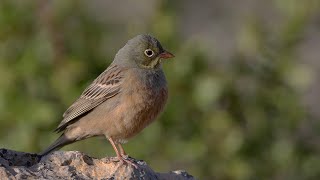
[142, 51]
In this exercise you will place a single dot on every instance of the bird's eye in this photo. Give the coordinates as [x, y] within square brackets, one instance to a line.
[148, 52]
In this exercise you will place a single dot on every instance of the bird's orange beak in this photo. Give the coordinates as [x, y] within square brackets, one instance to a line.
[166, 55]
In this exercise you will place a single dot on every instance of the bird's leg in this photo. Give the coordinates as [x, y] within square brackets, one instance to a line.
[121, 159]
[115, 148]
[122, 152]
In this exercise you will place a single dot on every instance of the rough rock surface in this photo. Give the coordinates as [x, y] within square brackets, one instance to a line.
[75, 165]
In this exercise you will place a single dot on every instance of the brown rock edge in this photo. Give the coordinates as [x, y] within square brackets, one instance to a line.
[75, 165]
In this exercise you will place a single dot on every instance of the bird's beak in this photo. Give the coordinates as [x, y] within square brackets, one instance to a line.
[166, 55]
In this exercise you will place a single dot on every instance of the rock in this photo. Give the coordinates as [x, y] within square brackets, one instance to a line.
[75, 165]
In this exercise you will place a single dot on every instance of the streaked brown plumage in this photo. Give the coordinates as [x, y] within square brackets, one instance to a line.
[122, 100]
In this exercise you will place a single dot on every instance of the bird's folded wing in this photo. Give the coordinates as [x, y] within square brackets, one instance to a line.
[106, 86]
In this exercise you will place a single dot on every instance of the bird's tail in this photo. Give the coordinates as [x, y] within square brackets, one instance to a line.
[59, 143]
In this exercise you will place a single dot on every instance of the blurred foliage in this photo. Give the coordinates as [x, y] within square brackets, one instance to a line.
[241, 119]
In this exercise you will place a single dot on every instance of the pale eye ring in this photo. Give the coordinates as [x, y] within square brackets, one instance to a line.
[149, 52]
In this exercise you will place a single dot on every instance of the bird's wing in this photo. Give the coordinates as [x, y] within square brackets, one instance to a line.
[106, 86]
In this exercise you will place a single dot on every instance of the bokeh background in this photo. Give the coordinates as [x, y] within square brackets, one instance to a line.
[244, 86]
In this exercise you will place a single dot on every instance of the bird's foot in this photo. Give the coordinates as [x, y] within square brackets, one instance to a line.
[125, 156]
[124, 160]
[128, 161]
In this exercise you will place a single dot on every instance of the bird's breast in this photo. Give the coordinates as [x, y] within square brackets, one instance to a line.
[142, 100]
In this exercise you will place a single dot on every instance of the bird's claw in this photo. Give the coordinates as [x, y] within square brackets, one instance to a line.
[129, 162]
[125, 156]
[124, 160]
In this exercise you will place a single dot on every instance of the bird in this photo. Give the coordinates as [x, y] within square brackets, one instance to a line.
[121, 101]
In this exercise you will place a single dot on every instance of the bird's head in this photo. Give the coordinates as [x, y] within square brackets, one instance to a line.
[142, 51]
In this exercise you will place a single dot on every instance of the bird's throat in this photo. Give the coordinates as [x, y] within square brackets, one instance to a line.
[154, 64]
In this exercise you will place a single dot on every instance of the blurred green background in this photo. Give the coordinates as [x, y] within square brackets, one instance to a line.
[244, 99]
